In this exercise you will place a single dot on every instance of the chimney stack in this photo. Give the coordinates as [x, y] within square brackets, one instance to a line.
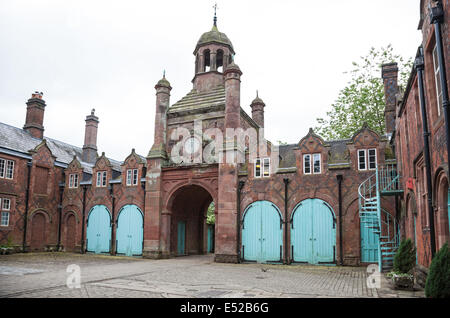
[35, 115]
[90, 138]
[389, 73]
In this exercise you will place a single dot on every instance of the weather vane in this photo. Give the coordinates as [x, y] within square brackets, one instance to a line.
[215, 15]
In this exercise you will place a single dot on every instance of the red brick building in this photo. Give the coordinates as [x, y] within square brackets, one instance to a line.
[303, 202]
[420, 136]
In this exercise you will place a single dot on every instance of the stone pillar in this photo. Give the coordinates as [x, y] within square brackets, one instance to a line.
[90, 138]
[389, 73]
[154, 233]
[226, 224]
[34, 121]
[213, 60]
[258, 111]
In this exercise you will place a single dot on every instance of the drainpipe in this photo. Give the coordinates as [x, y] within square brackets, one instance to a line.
[61, 192]
[286, 226]
[27, 199]
[83, 250]
[113, 220]
[238, 219]
[419, 65]
[143, 217]
[339, 178]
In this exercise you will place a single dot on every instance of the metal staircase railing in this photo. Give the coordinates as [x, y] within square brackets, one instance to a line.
[385, 181]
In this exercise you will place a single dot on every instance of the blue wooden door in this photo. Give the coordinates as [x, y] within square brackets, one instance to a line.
[130, 231]
[181, 237]
[98, 233]
[369, 244]
[210, 247]
[313, 232]
[262, 233]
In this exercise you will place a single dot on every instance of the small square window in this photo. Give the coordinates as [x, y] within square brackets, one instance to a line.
[6, 205]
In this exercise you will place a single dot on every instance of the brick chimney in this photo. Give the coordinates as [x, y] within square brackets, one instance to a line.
[389, 73]
[90, 138]
[35, 115]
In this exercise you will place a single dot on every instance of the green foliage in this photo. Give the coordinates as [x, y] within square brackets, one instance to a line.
[438, 279]
[362, 100]
[210, 216]
[282, 143]
[405, 258]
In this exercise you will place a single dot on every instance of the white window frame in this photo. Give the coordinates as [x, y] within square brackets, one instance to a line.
[73, 180]
[132, 177]
[7, 218]
[364, 161]
[368, 159]
[258, 162]
[264, 160]
[101, 179]
[9, 174]
[3, 204]
[320, 163]
[304, 163]
[437, 80]
[2, 167]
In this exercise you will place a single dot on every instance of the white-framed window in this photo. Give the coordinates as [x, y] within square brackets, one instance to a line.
[6, 204]
[4, 219]
[132, 177]
[262, 167]
[312, 163]
[73, 180]
[437, 79]
[101, 178]
[6, 168]
[367, 159]
[307, 164]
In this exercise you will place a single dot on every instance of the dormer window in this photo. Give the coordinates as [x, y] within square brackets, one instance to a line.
[312, 163]
[132, 177]
[73, 180]
[367, 159]
[101, 179]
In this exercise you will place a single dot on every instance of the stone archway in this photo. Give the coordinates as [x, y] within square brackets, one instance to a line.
[442, 215]
[188, 206]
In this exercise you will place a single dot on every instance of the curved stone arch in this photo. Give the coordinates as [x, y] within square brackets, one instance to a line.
[439, 176]
[441, 197]
[327, 199]
[325, 202]
[171, 195]
[92, 208]
[250, 205]
[67, 214]
[47, 216]
[125, 205]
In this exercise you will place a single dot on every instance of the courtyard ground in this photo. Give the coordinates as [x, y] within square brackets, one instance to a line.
[45, 275]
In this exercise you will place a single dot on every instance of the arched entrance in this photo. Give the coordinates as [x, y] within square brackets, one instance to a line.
[313, 232]
[98, 233]
[188, 229]
[262, 233]
[70, 233]
[38, 230]
[130, 231]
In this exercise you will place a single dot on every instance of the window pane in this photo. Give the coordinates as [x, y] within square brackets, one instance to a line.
[99, 179]
[362, 159]
[2, 168]
[316, 158]
[6, 204]
[5, 219]
[266, 167]
[307, 163]
[10, 169]
[258, 168]
[372, 158]
[128, 177]
[135, 177]
[75, 182]
[104, 179]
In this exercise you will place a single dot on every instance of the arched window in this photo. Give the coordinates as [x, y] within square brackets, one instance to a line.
[207, 61]
[219, 61]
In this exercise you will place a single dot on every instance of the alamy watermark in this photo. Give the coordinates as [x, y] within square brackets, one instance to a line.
[374, 279]
[74, 279]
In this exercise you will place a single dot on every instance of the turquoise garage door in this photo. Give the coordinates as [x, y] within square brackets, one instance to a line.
[130, 231]
[313, 232]
[262, 233]
[98, 234]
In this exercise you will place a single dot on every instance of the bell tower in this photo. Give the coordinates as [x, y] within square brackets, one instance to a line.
[213, 53]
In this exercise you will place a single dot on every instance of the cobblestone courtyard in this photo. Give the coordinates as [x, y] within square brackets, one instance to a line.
[44, 275]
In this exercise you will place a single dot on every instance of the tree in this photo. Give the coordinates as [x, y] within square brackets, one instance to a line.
[362, 100]
[210, 216]
[438, 279]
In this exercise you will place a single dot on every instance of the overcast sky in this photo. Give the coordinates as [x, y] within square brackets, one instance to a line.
[108, 55]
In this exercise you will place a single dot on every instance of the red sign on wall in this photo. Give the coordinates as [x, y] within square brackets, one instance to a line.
[410, 184]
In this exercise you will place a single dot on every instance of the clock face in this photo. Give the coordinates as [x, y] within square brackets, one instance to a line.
[191, 145]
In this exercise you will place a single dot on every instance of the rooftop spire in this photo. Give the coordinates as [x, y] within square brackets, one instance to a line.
[215, 14]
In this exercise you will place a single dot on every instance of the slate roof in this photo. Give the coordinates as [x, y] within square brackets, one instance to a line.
[13, 139]
[195, 100]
